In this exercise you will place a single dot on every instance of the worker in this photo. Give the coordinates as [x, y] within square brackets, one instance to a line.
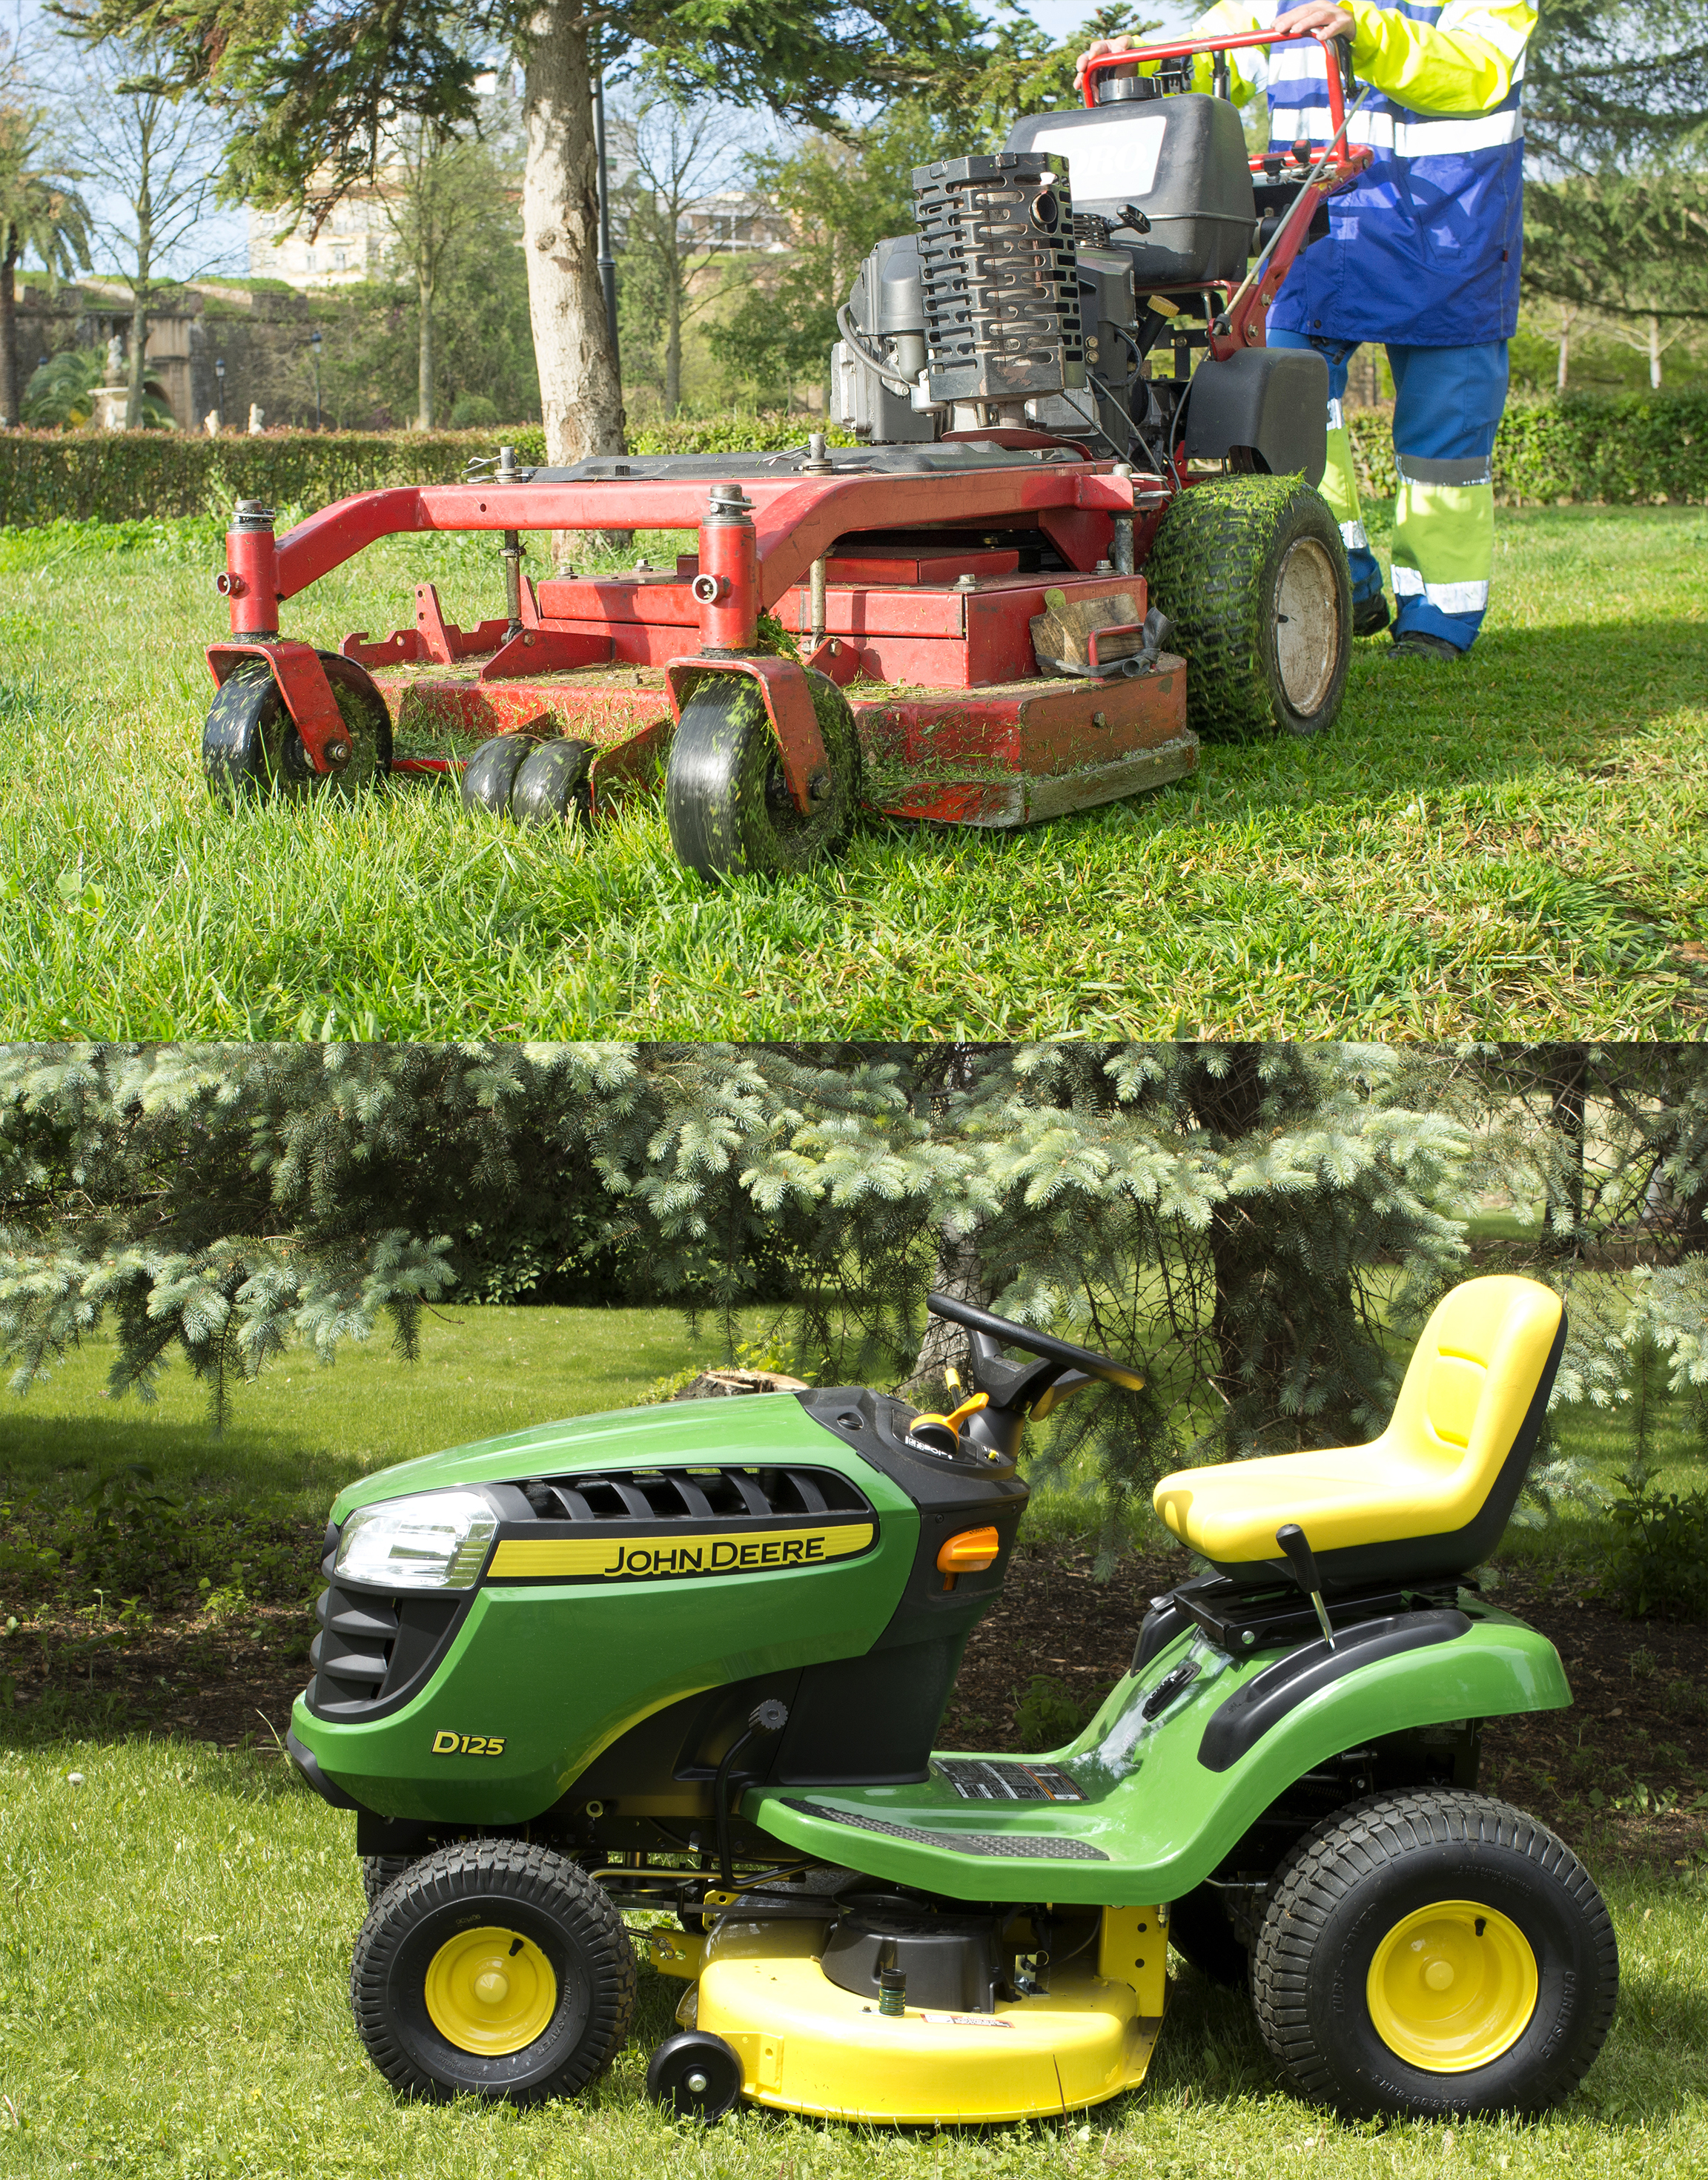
[1422, 254]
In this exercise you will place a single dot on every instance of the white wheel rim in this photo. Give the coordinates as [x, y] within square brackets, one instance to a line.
[1307, 625]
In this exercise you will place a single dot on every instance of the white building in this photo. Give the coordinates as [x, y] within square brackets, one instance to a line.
[351, 245]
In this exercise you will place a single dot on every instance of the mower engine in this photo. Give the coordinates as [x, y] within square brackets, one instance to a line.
[1018, 304]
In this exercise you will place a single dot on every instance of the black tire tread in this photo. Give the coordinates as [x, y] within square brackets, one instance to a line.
[1319, 1872]
[514, 1867]
[1206, 571]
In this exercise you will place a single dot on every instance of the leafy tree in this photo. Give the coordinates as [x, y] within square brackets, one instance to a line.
[317, 86]
[444, 198]
[1631, 247]
[1224, 1215]
[150, 157]
[61, 392]
[679, 162]
[41, 213]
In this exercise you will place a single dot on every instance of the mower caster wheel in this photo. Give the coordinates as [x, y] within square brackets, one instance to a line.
[490, 775]
[250, 747]
[729, 808]
[696, 2075]
[551, 785]
[1429, 1956]
[494, 1969]
[1252, 572]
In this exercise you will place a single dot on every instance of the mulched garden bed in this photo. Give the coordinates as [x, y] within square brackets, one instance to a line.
[1624, 1768]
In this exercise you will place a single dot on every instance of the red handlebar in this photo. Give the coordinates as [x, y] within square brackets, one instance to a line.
[1332, 57]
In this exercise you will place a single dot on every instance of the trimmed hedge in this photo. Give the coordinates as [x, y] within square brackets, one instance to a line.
[117, 476]
[1604, 449]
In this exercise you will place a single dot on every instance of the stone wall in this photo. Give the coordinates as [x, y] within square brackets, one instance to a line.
[260, 337]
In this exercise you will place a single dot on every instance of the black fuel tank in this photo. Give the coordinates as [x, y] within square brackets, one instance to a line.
[1181, 160]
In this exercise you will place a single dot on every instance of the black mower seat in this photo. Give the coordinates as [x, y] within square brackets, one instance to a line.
[1429, 1498]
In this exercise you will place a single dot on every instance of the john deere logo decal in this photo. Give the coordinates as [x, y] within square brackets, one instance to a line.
[668, 1554]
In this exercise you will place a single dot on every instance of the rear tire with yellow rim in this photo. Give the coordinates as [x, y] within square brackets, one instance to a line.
[1427, 1954]
[495, 1968]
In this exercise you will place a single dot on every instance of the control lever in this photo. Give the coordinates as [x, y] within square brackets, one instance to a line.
[768, 1717]
[1303, 1561]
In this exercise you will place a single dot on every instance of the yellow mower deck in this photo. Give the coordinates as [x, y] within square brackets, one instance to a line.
[807, 2045]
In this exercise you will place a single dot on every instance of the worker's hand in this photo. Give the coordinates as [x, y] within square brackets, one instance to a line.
[1316, 15]
[1099, 46]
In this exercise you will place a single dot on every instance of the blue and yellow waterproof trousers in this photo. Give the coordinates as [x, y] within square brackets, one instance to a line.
[1447, 402]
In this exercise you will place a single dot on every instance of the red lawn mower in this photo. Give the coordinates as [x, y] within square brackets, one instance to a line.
[1077, 531]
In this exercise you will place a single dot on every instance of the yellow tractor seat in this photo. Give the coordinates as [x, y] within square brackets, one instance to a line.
[1427, 1500]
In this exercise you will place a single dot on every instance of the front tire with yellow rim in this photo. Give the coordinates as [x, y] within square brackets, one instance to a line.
[495, 1968]
[1428, 1954]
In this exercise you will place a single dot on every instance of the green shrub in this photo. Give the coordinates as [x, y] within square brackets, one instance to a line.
[130, 1536]
[115, 476]
[1592, 448]
[472, 409]
[1050, 1714]
[1656, 1560]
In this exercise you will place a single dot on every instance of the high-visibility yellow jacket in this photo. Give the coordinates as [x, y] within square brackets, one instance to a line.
[1425, 250]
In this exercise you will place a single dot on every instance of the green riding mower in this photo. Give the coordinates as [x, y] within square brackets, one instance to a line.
[686, 1663]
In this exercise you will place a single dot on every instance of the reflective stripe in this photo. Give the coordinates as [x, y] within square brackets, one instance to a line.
[1387, 131]
[1336, 421]
[1352, 535]
[1445, 597]
[1414, 470]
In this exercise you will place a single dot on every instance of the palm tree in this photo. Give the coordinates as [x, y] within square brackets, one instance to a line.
[40, 211]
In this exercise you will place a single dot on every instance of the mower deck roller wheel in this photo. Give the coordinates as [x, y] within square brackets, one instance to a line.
[1424, 1955]
[729, 806]
[378, 1871]
[489, 777]
[492, 1968]
[695, 2074]
[250, 747]
[1252, 572]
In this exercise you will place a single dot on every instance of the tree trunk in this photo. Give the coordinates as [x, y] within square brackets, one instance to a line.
[1655, 352]
[580, 394]
[1567, 1082]
[11, 393]
[1228, 1108]
[139, 344]
[672, 337]
[424, 365]
[1565, 358]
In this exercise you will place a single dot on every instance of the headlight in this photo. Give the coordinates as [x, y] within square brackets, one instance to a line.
[438, 1541]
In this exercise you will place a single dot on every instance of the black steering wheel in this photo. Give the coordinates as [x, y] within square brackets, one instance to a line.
[1018, 1386]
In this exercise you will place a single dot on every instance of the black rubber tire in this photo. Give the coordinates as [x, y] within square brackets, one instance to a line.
[250, 748]
[695, 2053]
[550, 786]
[548, 1900]
[378, 1871]
[1343, 1889]
[489, 777]
[1200, 1931]
[729, 811]
[1225, 551]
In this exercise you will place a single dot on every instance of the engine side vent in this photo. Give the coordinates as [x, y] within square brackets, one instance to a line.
[692, 1494]
[1000, 277]
[373, 1649]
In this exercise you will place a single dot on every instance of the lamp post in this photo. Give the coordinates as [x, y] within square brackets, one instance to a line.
[219, 397]
[315, 339]
[607, 263]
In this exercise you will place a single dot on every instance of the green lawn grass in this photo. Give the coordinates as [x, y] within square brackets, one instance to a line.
[174, 1958]
[1510, 846]
[301, 1431]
